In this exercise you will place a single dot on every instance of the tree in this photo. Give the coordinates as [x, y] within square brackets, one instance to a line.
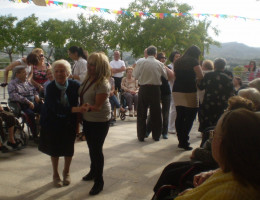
[136, 33]
[29, 33]
[89, 33]
[56, 33]
[8, 35]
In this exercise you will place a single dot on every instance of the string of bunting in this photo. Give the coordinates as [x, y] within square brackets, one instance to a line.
[137, 14]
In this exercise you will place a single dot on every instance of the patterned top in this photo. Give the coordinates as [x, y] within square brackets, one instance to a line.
[218, 88]
[221, 186]
[127, 84]
[22, 92]
[40, 76]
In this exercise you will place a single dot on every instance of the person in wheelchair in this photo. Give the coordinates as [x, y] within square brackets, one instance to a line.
[181, 174]
[130, 87]
[22, 92]
[113, 99]
[9, 120]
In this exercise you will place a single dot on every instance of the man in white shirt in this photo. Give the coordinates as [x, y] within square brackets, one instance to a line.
[118, 69]
[148, 72]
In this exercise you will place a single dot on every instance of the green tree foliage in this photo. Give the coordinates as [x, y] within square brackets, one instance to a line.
[8, 35]
[136, 33]
[28, 33]
[89, 33]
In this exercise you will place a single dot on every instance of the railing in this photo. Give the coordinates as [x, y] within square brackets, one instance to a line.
[3, 90]
[247, 76]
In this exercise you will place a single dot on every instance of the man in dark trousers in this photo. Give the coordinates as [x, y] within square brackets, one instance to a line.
[149, 72]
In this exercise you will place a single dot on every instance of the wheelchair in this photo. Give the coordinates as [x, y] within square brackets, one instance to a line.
[123, 115]
[16, 109]
[20, 136]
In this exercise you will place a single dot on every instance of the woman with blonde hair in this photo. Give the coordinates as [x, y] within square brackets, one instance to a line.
[94, 91]
[39, 71]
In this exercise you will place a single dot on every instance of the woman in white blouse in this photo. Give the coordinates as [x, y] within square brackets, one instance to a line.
[79, 69]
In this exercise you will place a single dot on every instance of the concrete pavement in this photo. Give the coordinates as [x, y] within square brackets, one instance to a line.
[131, 168]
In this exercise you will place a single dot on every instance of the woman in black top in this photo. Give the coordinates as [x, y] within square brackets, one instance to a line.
[218, 88]
[187, 70]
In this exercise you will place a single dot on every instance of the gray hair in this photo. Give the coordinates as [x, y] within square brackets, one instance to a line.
[151, 51]
[219, 64]
[65, 63]
[255, 84]
[17, 70]
[251, 94]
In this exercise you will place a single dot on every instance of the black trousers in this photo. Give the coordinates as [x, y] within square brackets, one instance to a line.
[118, 83]
[180, 174]
[183, 123]
[165, 100]
[96, 133]
[149, 96]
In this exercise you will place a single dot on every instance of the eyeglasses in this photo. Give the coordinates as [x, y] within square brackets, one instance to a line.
[164, 58]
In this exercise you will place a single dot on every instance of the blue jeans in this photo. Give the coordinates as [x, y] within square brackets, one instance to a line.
[114, 102]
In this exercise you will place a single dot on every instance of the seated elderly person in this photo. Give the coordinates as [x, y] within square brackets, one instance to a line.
[251, 94]
[180, 174]
[9, 120]
[24, 93]
[130, 87]
[235, 147]
[255, 84]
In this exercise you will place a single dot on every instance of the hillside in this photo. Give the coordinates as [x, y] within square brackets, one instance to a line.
[234, 53]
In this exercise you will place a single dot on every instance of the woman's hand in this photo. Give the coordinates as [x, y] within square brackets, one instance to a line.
[40, 88]
[84, 108]
[201, 177]
[31, 105]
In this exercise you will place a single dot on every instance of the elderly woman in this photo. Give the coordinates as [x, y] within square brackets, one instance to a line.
[251, 94]
[58, 120]
[31, 59]
[23, 92]
[218, 88]
[255, 84]
[130, 87]
[95, 92]
[235, 147]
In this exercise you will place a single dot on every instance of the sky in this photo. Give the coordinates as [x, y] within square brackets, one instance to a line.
[231, 30]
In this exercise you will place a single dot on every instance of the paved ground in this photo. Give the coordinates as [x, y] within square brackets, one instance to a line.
[131, 168]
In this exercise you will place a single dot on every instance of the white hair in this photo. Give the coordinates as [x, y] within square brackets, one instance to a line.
[65, 63]
[251, 94]
[255, 84]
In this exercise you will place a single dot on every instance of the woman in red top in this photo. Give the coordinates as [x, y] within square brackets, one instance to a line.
[39, 71]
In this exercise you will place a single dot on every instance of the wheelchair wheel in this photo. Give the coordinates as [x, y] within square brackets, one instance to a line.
[122, 115]
[20, 135]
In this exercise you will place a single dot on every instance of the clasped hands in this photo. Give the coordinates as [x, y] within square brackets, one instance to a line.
[84, 108]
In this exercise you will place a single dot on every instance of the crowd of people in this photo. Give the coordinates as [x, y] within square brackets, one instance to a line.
[165, 99]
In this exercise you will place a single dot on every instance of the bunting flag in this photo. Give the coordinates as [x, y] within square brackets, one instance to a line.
[127, 13]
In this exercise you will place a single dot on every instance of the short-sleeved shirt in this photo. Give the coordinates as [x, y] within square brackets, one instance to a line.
[149, 71]
[184, 88]
[80, 69]
[89, 97]
[116, 65]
